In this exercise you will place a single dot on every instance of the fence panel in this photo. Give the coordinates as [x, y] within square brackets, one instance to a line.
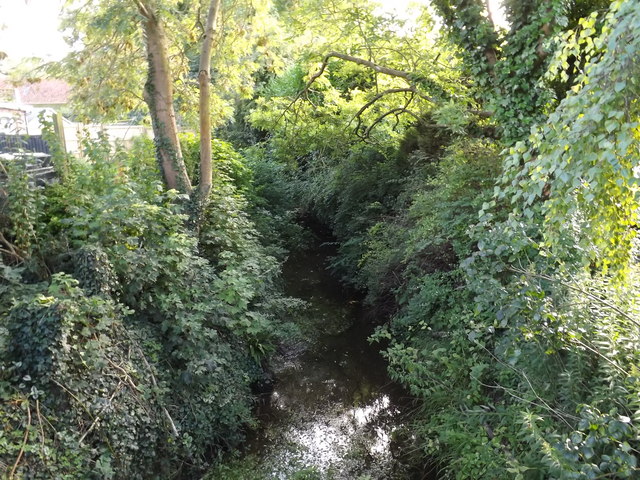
[31, 143]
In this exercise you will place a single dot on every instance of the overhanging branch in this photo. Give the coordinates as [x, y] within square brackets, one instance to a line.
[412, 90]
[348, 58]
[373, 66]
[394, 111]
[407, 76]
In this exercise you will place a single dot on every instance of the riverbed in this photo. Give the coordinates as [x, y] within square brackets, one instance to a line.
[333, 412]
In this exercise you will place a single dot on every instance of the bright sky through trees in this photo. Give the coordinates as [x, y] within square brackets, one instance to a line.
[29, 28]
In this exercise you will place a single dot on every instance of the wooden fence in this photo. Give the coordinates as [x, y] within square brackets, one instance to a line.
[17, 143]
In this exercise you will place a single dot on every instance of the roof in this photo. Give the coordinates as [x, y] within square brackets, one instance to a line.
[42, 92]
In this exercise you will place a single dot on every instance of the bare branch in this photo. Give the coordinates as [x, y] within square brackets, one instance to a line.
[172, 424]
[393, 111]
[390, 91]
[12, 250]
[579, 290]
[97, 419]
[144, 11]
[41, 428]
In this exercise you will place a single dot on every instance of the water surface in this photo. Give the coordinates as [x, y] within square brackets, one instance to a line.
[333, 409]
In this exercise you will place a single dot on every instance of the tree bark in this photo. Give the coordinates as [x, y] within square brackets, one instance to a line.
[158, 95]
[204, 81]
[465, 16]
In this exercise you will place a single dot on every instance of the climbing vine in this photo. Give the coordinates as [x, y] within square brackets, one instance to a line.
[577, 170]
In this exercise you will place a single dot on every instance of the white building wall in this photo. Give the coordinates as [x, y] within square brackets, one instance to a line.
[117, 133]
[23, 120]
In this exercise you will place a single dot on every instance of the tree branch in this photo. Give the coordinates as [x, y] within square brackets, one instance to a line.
[393, 111]
[11, 250]
[579, 290]
[377, 97]
[204, 79]
[97, 418]
[24, 442]
[348, 58]
[172, 424]
[373, 66]
[407, 76]
[144, 11]
[489, 14]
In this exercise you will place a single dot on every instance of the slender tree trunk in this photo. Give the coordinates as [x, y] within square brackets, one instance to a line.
[158, 95]
[204, 80]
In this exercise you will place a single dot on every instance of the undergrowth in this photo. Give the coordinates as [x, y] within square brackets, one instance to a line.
[130, 344]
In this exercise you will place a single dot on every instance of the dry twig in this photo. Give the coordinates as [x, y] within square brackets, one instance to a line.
[24, 443]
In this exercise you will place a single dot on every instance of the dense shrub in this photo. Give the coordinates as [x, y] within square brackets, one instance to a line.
[131, 344]
[77, 387]
[520, 339]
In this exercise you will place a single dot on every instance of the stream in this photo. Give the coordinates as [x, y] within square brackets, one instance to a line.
[333, 410]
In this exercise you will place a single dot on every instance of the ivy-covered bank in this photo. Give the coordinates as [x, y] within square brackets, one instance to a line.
[130, 344]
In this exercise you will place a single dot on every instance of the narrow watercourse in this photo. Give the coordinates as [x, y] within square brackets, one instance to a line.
[333, 412]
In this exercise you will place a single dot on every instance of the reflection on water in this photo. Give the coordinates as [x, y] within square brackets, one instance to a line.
[340, 442]
[333, 408]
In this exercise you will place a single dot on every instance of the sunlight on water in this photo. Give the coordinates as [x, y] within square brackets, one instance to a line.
[333, 409]
[328, 437]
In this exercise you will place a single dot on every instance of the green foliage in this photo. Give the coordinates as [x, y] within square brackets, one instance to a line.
[19, 212]
[556, 340]
[141, 349]
[345, 98]
[523, 94]
[226, 162]
[108, 72]
[579, 165]
[71, 368]
[286, 85]
[273, 202]
[507, 67]
[429, 228]
[349, 197]
[513, 308]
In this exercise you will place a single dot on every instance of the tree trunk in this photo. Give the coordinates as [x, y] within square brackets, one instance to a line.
[158, 95]
[204, 80]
